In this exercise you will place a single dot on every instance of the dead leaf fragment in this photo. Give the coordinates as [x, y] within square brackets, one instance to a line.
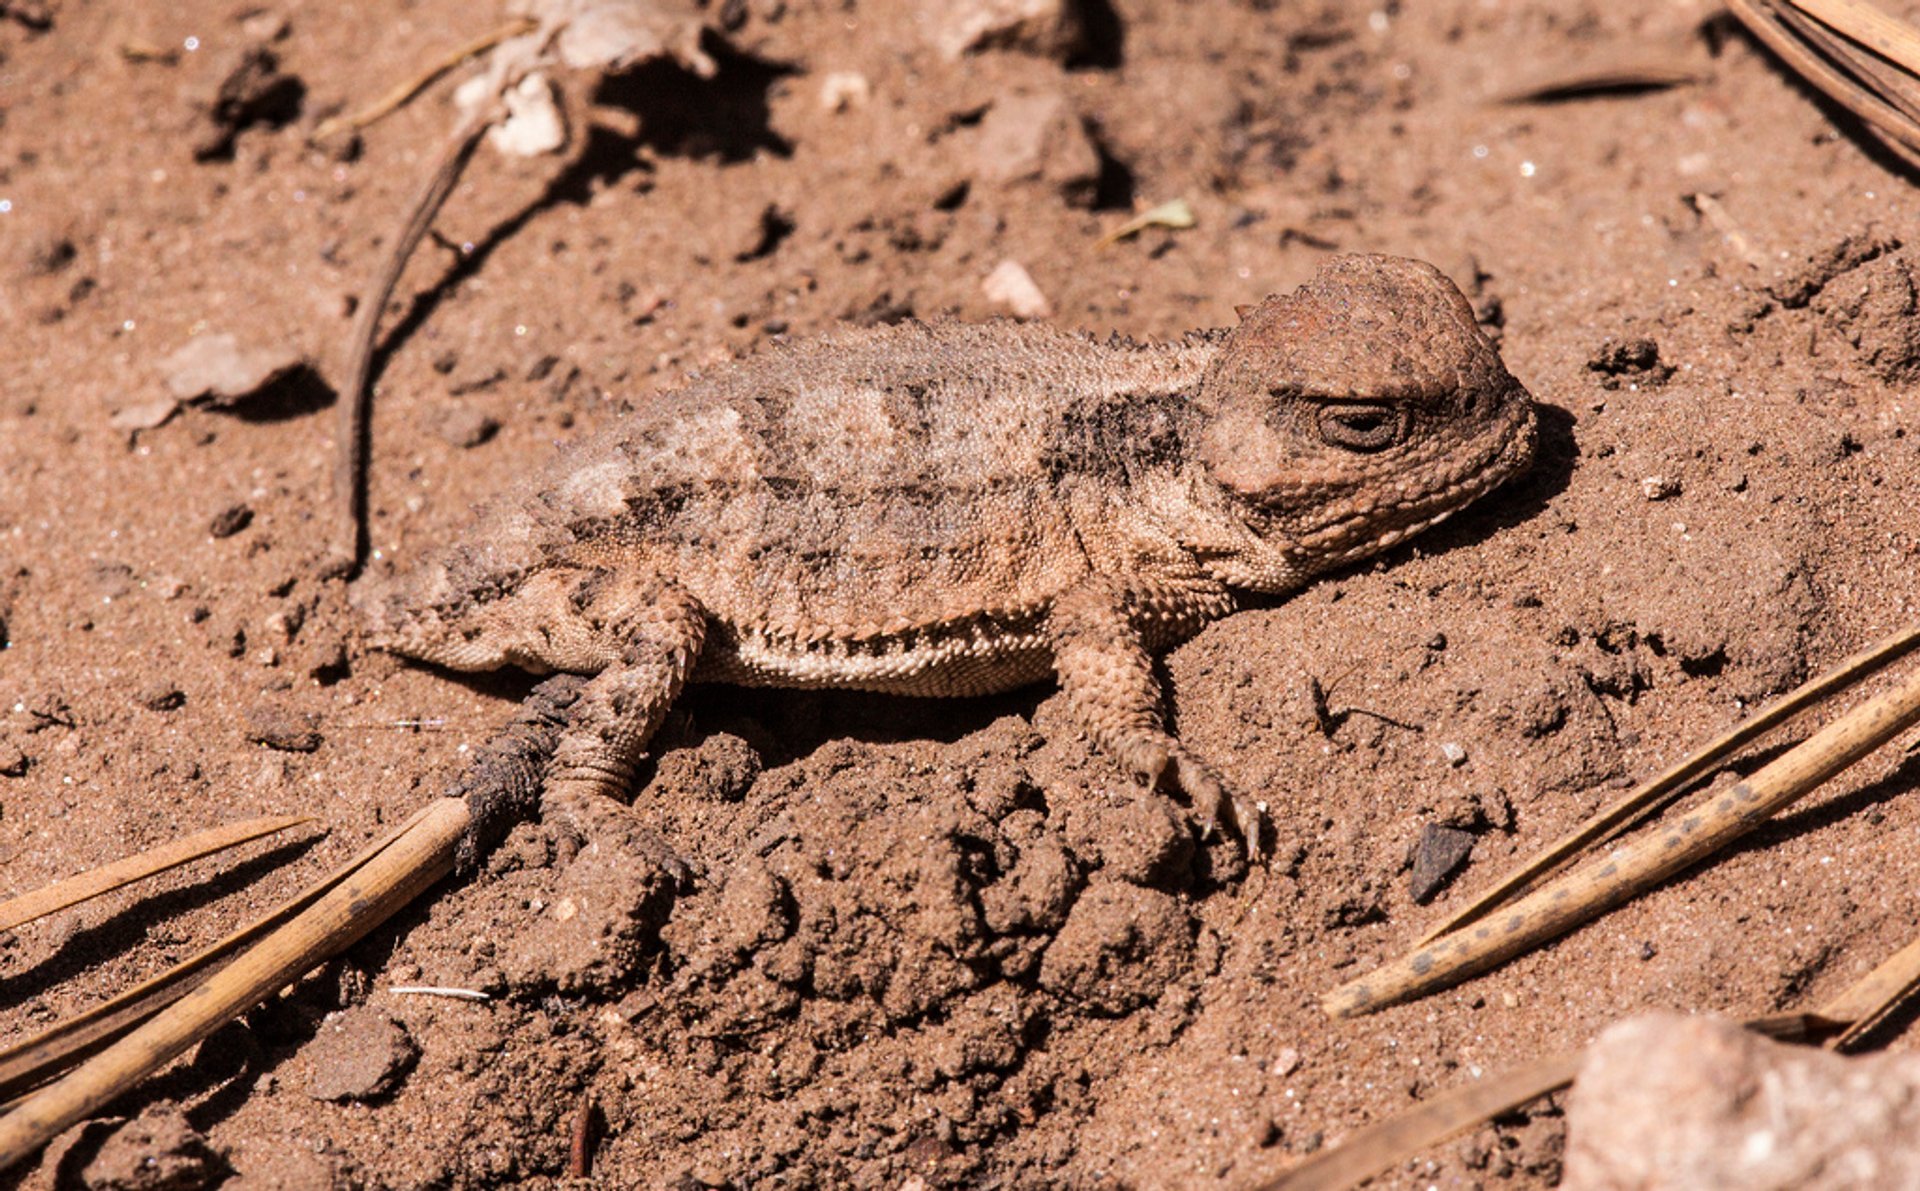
[612, 35]
[1174, 214]
[534, 123]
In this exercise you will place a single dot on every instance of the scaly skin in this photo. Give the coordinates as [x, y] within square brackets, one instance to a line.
[951, 509]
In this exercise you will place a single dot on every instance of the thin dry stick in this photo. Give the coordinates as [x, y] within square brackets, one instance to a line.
[1387, 1143]
[1610, 880]
[499, 786]
[35, 1060]
[1888, 80]
[350, 471]
[73, 890]
[389, 881]
[1868, 661]
[391, 102]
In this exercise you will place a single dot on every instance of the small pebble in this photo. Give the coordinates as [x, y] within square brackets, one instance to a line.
[230, 520]
[161, 696]
[1436, 857]
[464, 427]
[280, 729]
[359, 1054]
[1010, 285]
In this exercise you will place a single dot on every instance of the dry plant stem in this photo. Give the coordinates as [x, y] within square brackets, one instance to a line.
[1888, 80]
[1373, 1149]
[108, 877]
[39, 1058]
[1853, 669]
[1606, 882]
[1895, 129]
[1868, 1000]
[389, 881]
[350, 472]
[1887, 36]
[391, 102]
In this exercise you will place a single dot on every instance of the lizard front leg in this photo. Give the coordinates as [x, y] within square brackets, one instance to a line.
[653, 632]
[1099, 631]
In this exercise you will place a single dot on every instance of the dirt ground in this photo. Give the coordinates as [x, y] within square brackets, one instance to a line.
[939, 944]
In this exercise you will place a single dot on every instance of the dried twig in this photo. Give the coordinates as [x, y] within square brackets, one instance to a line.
[37, 1059]
[73, 890]
[598, 35]
[503, 776]
[1859, 56]
[389, 881]
[1676, 778]
[397, 98]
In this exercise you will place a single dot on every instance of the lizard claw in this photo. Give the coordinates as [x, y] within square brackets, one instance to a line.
[1214, 809]
[587, 818]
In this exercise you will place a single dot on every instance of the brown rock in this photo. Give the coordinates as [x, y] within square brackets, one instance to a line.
[230, 520]
[359, 1054]
[1122, 945]
[161, 696]
[1038, 139]
[1666, 1101]
[463, 426]
[156, 1151]
[1436, 857]
[1049, 28]
[280, 729]
[220, 370]
[253, 90]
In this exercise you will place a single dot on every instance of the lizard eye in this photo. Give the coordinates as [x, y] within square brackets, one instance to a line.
[1362, 426]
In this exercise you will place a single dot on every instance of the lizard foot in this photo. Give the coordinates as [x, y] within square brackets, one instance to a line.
[587, 818]
[1214, 809]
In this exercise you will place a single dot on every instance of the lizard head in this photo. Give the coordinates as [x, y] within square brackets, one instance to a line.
[1359, 409]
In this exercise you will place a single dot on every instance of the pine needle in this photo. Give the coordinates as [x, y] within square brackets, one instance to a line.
[18, 911]
[1611, 819]
[1609, 880]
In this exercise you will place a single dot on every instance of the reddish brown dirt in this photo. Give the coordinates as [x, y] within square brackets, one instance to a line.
[935, 941]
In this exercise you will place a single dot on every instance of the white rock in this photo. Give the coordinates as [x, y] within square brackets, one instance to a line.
[844, 89]
[1010, 285]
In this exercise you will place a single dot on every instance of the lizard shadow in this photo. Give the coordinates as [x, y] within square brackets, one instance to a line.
[787, 725]
[1518, 501]
[725, 118]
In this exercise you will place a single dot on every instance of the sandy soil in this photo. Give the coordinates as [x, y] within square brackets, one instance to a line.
[932, 941]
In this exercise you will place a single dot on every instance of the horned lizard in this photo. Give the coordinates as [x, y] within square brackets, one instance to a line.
[954, 509]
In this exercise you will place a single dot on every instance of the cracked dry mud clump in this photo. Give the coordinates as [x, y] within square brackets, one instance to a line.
[906, 961]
